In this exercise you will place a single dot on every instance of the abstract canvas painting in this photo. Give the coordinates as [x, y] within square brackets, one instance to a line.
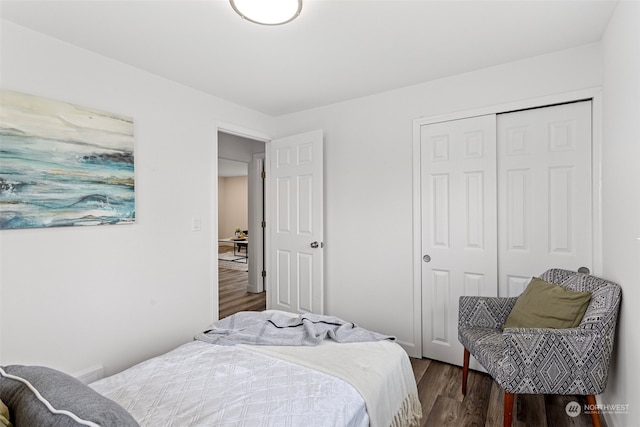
[63, 165]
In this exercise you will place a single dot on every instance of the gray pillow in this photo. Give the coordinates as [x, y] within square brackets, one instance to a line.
[74, 403]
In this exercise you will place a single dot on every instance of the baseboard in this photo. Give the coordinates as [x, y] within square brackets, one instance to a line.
[410, 348]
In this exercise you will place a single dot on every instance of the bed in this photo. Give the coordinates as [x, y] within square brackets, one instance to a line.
[231, 375]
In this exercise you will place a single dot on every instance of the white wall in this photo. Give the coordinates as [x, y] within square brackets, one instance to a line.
[621, 201]
[72, 298]
[233, 205]
[368, 176]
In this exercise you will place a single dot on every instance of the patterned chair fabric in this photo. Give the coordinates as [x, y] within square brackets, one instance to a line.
[544, 361]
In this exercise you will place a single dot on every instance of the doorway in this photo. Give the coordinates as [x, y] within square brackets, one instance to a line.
[240, 244]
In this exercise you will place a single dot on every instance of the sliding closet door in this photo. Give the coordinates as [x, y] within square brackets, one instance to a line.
[544, 192]
[503, 198]
[459, 243]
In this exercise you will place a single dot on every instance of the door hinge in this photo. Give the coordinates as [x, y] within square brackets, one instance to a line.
[263, 175]
[264, 273]
[263, 224]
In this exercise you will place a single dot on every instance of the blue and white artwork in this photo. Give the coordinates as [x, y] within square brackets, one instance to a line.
[63, 165]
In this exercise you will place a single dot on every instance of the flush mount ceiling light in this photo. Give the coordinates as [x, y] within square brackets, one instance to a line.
[267, 12]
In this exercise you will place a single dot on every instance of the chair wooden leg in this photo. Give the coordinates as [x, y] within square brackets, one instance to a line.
[465, 371]
[508, 408]
[593, 408]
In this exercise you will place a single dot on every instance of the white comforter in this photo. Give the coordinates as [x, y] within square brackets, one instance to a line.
[200, 384]
[379, 370]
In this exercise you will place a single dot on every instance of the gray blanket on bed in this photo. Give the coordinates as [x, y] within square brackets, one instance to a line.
[273, 328]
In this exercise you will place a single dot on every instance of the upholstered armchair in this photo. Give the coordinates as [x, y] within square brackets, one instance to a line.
[571, 361]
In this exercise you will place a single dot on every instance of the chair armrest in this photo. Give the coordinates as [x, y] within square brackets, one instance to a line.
[484, 312]
[555, 361]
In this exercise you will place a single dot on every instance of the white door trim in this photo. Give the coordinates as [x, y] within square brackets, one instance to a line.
[256, 216]
[237, 130]
[594, 94]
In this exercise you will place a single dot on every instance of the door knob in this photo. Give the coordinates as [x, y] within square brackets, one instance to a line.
[584, 270]
[426, 258]
[315, 245]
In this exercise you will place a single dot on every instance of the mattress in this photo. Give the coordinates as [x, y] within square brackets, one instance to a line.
[199, 384]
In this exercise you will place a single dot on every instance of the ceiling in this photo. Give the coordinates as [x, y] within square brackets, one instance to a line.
[336, 50]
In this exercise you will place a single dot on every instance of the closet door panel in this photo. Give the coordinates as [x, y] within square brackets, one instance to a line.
[458, 185]
[544, 192]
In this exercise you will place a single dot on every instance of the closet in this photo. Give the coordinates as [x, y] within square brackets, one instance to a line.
[504, 197]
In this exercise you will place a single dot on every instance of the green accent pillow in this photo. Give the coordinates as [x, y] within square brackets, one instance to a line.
[545, 305]
[5, 419]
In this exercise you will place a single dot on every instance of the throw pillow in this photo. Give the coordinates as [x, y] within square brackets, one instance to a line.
[545, 305]
[5, 419]
[39, 396]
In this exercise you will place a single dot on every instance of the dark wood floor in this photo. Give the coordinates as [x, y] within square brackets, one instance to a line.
[232, 291]
[439, 388]
[439, 384]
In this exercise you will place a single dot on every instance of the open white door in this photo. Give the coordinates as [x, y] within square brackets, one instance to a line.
[295, 262]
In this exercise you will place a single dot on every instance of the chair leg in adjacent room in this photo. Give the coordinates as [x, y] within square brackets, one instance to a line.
[508, 408]
[465, 371]
[595, 417]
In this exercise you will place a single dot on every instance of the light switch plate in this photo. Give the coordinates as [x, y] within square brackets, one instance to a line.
[195, 223]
